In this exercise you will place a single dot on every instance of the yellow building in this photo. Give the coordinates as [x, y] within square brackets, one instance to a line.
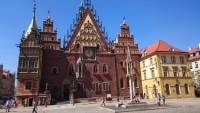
[165, 70]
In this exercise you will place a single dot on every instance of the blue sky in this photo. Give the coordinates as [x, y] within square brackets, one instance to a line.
[175, 21]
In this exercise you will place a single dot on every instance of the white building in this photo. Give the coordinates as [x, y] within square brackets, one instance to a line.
[194, 59]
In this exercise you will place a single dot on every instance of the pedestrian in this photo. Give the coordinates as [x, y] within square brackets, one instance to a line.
[34, 107]
[103, 102]
[8, 105]
[153, 96]
[163, 99]
[159, 98]
[120, 103]
[45, 102]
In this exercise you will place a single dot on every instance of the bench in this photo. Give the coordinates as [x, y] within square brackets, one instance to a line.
[108, 99]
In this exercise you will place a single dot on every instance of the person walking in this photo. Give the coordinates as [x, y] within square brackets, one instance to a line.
[34, 107]
[103, 102]
[8, 105]
[163, 99]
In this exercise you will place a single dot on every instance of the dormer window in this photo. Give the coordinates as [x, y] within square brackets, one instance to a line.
[197, 53]
[144, 54]
[191, 55]
[171, 49]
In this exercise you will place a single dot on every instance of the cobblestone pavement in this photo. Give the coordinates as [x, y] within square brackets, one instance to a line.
[184, 105]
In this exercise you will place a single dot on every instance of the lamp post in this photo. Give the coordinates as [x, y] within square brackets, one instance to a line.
[46, 95]
[46, 86]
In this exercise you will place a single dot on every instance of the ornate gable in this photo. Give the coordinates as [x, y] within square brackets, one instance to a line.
[87, 33]
[30, 41]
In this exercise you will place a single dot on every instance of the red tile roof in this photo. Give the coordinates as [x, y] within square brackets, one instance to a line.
[159, 46]
[194, 50]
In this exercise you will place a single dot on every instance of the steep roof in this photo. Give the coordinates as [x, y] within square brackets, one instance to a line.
[159, 46]
[194, 50]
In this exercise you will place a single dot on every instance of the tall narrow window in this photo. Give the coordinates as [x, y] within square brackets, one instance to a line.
[145, 76]
[165, 72]
[25, 63]
[124, 51]
[121, 83]
[95, 86]
[186, 89]
[163, 59]
[105, 86]
[167, 89]
[31, 63]
[146, 89]
[104, 68]
[95, 68]
[175, 72]
[173, 59]
[54, 71]
[181, 60]
[177, 89]
[151, 61]
[71, 69]
[196, 65]
[28, 86]
[190, 65]
[184, 72]
[143, 64]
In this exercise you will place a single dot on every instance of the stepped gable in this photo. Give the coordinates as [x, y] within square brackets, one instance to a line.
[159, 46]
[88, 32]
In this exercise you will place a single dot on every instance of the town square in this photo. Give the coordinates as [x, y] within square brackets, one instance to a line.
[100, 56]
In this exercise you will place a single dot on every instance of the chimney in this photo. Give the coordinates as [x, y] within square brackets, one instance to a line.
[189, 48]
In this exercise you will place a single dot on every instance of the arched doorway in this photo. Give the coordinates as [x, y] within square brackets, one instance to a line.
[66, 89]
[66, 92]
[154, 90]
[30, 102]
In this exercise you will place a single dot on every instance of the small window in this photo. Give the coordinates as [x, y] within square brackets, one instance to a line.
[31, 63]
[181, 60]
[196, 65]
[28, 86]
[95, 86]
[105, 86]
[165, 72]
[25, 63]
[124, 51]
[143, 64]
[173, 59]
[127, 81]
[54, 71]
[163, 59]
[190, 65]
[171, 49]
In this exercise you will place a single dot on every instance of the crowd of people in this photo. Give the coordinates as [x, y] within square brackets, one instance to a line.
[9, 103]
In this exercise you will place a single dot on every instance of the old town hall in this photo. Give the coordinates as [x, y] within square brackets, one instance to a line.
[86, 64]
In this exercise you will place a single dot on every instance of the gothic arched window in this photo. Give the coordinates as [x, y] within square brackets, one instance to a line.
[104, 68]
[95, 68]
[186, 89]
[71, 68]
[167, 89]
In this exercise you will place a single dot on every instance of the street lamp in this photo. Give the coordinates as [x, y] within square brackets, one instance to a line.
[46, 85]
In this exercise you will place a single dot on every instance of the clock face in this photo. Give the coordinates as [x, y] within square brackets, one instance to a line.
[89, 53]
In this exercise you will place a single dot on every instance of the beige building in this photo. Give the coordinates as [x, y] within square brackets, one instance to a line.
[165, 70]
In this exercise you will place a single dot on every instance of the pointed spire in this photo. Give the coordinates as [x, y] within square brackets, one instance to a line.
[48, 17]
[34, 8]
[124, 22]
